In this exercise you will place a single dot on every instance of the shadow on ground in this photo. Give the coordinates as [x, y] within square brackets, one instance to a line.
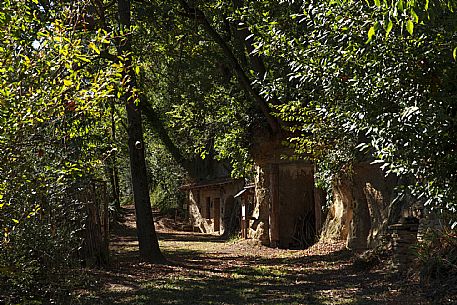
[221, 274]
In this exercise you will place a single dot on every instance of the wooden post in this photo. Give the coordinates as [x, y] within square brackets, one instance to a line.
[217, 215]
[243, 217]
[274, 205]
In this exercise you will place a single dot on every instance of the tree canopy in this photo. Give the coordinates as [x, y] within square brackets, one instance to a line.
[340, 82]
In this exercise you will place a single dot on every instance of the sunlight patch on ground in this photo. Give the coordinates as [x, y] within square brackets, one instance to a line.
[120, 288]
[337, 297]
[204, 270]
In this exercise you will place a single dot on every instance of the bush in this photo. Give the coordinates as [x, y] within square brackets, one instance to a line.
[437, 256]
[40, 248]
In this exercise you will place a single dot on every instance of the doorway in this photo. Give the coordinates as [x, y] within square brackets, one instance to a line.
[217, 214]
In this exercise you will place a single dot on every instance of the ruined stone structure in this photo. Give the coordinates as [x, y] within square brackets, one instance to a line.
[210, 204]
[362, 207]
[404, 237]
[284, 213]
[285, 210]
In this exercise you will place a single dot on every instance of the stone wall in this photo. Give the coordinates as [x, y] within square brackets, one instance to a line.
[404, 238]
[259, 223]
[339, 215]
[295, 218]
[361, 208]
[202, 212]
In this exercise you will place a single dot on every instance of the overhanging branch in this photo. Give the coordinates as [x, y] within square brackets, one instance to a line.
[243, 79]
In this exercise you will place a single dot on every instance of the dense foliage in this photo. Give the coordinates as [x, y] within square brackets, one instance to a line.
[347, 82]
[54, 90]
[191, 87]
[355, 82]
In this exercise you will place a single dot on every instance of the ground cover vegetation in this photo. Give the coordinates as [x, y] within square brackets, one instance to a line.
[342, 83]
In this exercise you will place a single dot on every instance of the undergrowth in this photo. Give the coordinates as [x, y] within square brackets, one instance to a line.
[437, 257]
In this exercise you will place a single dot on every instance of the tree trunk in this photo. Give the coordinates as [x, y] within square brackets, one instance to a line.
[147, 238]
[113, 171]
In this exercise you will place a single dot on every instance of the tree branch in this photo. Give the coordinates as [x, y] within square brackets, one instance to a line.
[243, 79]
[157, 124]
[243, 35]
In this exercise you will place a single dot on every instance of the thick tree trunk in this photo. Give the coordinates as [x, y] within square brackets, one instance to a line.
[147, 238]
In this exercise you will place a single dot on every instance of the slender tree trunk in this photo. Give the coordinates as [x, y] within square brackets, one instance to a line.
[114, 173]
[147, 237]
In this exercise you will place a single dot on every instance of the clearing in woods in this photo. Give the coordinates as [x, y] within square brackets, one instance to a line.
[205, 270]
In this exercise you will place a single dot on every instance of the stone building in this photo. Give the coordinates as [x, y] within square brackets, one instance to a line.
[283, 208]
[287, 207]
[210, 204]
[286, 211]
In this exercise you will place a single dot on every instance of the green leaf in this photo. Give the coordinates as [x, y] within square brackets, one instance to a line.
[454, 53]
[377, 3]
[414, 15]
[94, 47]
[67, 82]
[389, 28]
[371, 33]
[410, 27]
[83, 58]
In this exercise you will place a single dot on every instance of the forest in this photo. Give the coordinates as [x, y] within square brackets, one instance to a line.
[228, 152]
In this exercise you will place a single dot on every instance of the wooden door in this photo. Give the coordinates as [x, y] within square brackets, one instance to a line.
[217, 214]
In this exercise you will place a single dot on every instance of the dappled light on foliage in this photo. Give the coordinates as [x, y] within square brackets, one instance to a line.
[108, 104]
[53, 112]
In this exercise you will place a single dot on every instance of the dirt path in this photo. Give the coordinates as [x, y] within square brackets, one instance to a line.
[205, 270]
